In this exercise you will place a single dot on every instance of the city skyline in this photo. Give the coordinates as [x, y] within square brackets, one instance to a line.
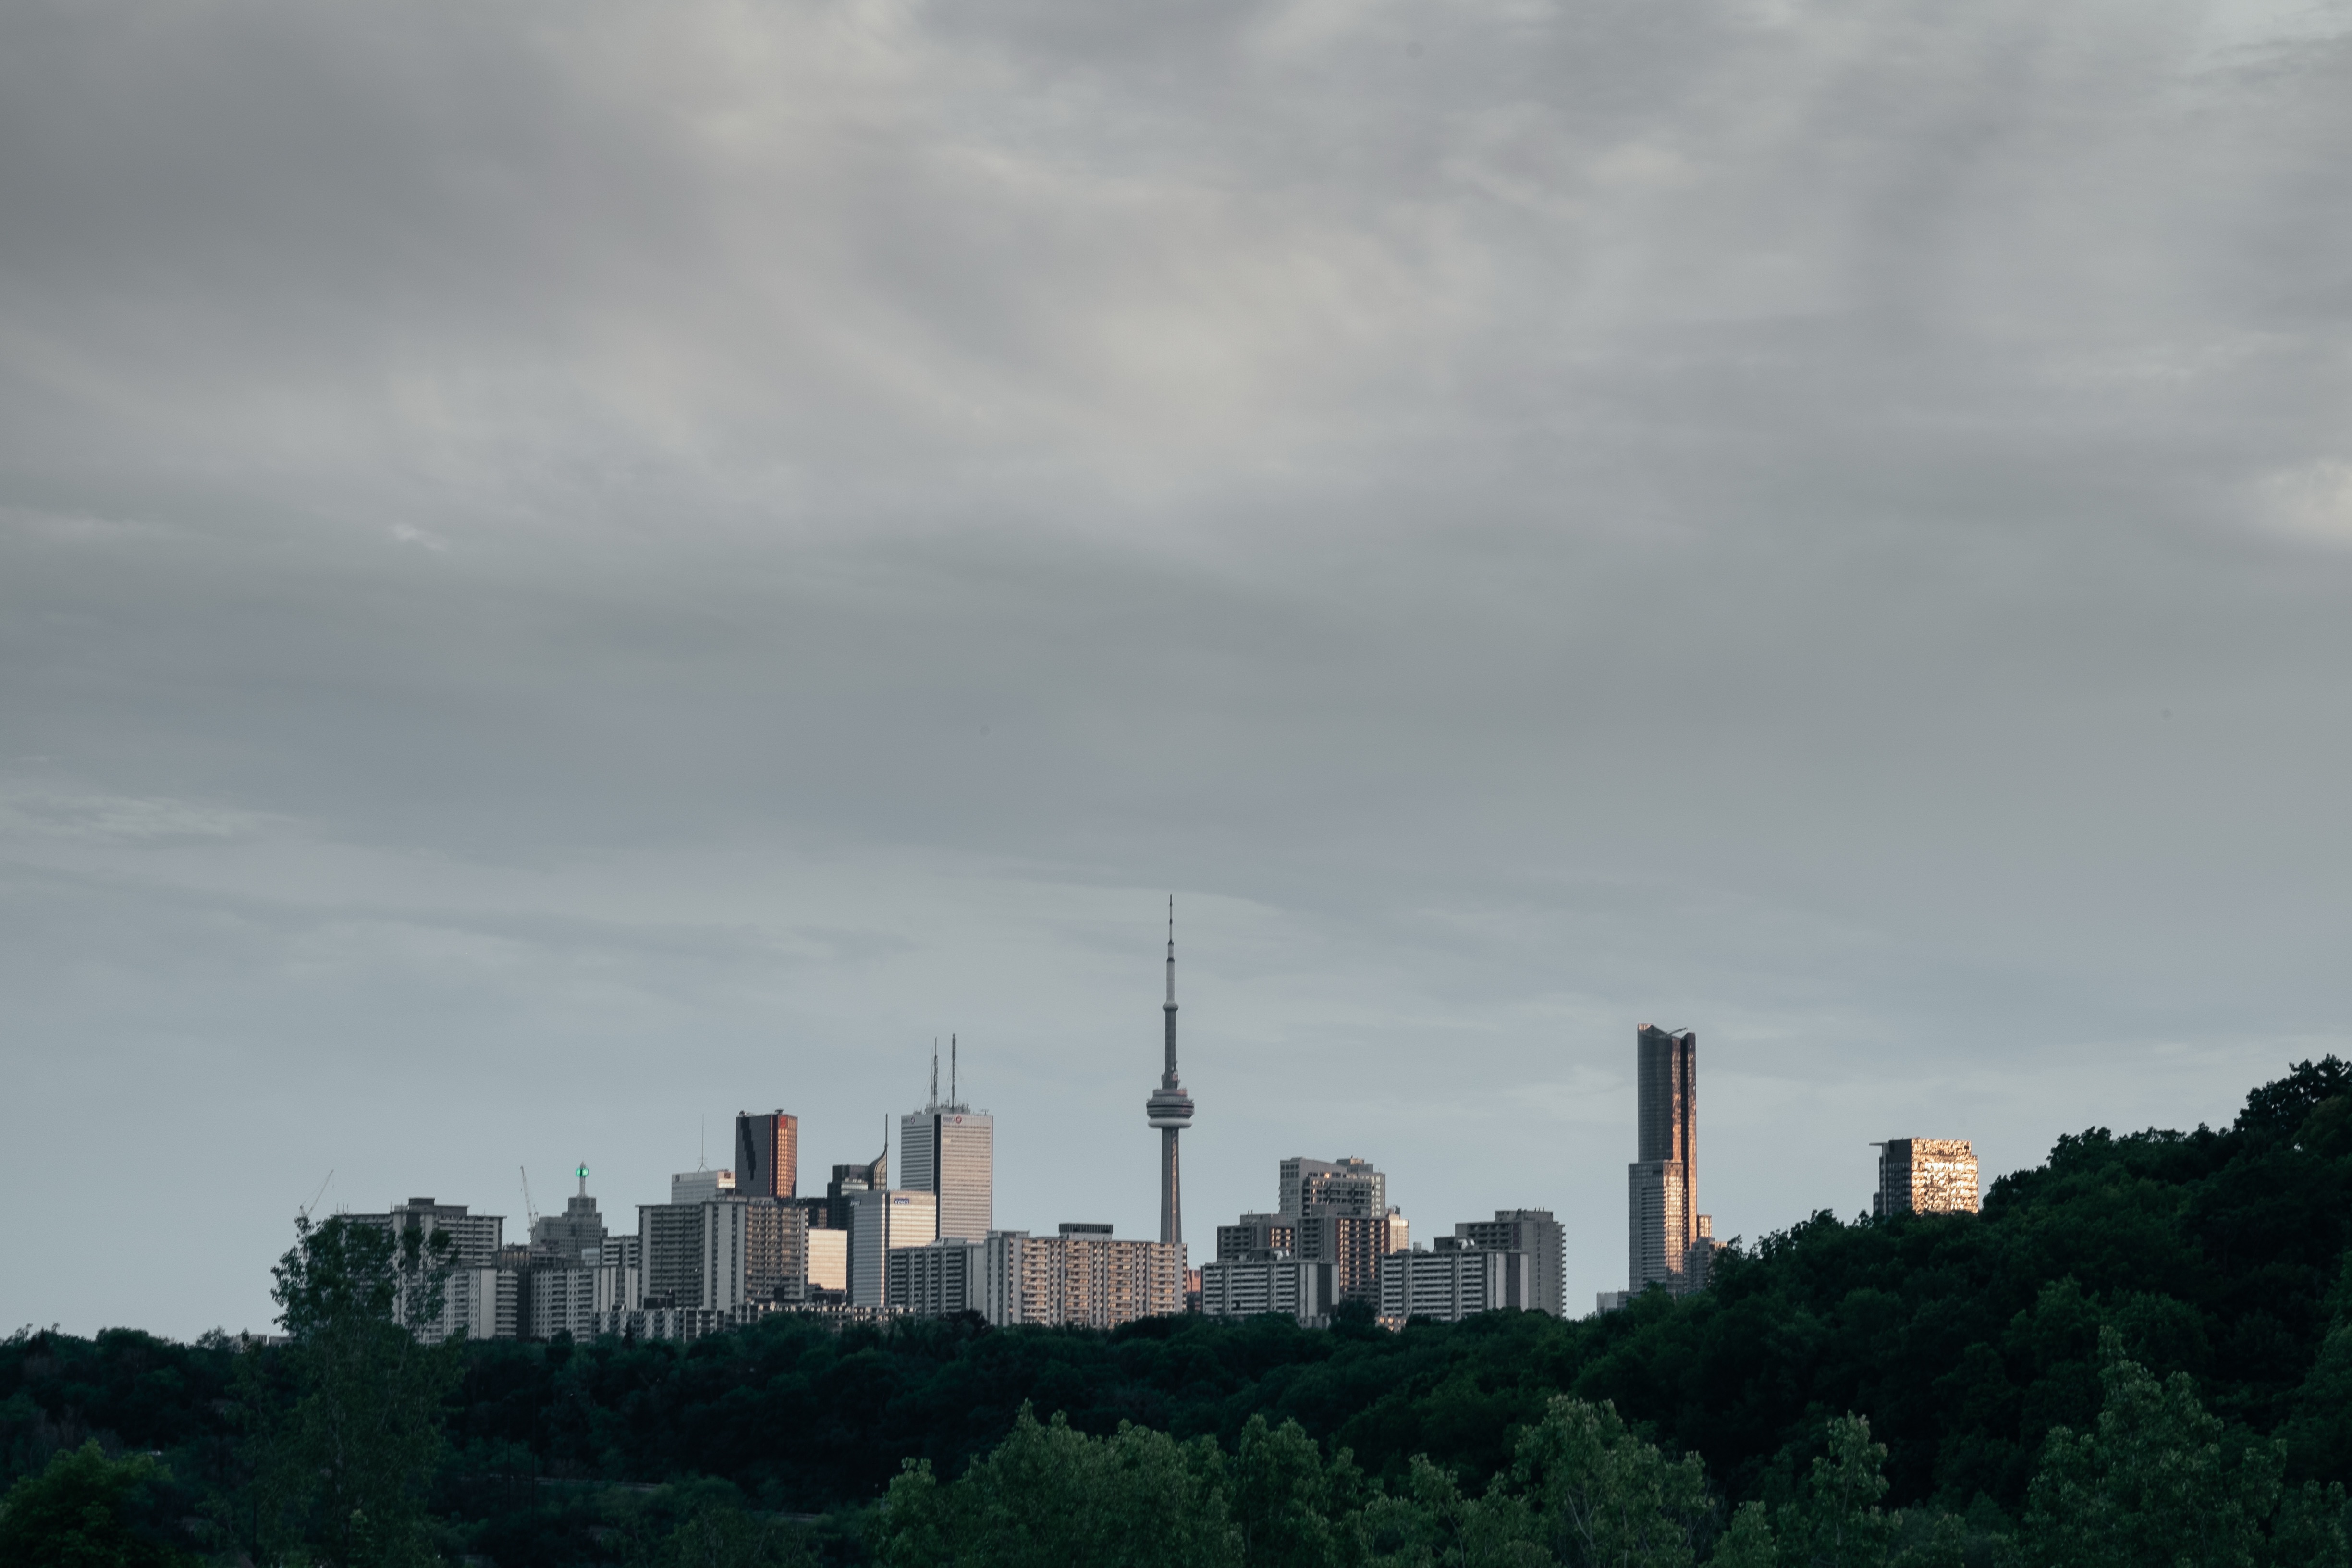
[731, 1242]
[1663, 1119]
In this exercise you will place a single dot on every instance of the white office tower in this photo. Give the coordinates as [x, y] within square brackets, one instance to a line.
[948, 1149]
[879, 1220]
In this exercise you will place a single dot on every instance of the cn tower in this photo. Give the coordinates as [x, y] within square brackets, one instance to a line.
[1170, 1108]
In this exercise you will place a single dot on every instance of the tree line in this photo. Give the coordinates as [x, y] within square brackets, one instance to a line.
[2154, 1304]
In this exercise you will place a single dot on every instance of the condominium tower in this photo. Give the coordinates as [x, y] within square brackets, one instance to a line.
[1663, 1226]
[1926, 1175]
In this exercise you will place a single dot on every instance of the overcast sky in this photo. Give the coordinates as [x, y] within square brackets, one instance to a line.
[569, 569]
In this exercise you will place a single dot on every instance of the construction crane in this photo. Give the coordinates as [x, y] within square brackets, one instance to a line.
[526, 1198]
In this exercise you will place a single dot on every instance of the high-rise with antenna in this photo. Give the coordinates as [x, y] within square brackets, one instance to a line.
[948, 1149]
[1170, 1108]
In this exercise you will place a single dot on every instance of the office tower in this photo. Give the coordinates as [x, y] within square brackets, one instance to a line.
[828, 1265]
[948, 1149]
[1535, 1234]
[573, 1240]
[1662, 1183]
[1926, 1175]
[767, 1154]
[880, 1219]
[872, 1176]
[1170, 1109]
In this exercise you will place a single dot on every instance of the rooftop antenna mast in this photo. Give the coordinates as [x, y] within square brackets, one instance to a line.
[935, 1074]
[952, 1101]
[320, 1193]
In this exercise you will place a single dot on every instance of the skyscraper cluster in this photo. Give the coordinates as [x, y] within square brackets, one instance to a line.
[732, 1245]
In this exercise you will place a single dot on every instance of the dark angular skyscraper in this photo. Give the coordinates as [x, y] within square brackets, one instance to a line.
[767, 1154]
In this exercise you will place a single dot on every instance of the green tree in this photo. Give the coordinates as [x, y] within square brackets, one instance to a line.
[84, 1511]
[1835, 1522]
[1049, 1496]
[1420, 1525]
[1593, 1494]
[1748, 1542]
[722, 1535]
[2156, 1483]
[1291, 1509]
[342, 1472]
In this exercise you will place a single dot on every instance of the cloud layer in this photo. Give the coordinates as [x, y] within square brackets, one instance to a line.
[568, 570]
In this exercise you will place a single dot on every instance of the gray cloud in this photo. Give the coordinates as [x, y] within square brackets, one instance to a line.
[563, 571]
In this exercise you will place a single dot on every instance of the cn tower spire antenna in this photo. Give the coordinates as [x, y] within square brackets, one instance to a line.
[1170, 1108]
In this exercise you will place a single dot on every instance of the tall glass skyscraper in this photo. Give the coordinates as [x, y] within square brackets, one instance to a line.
[948, 1149]
[1662, 1224]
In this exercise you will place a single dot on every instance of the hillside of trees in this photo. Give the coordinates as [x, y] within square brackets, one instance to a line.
[2149, 1327]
